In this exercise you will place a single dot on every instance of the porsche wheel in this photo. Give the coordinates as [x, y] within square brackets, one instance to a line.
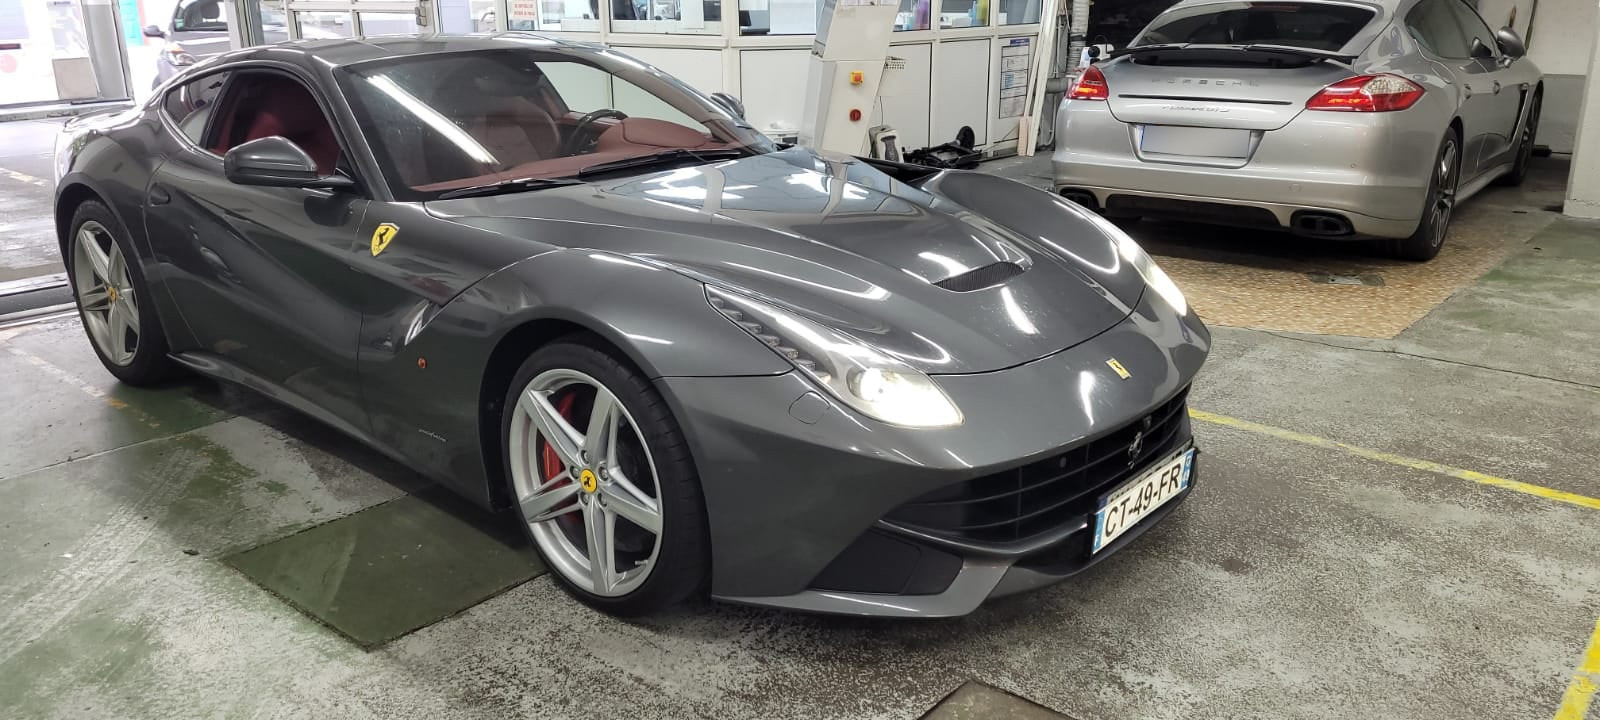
[1525, 144]
[112, 299]
[1424, 244]
[601, 477]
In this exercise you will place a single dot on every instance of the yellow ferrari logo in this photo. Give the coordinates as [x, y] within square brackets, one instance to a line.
[382, 236]
[1121, 371]
[588, 480]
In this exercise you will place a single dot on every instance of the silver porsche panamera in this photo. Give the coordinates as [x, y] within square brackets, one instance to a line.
[1328, 118]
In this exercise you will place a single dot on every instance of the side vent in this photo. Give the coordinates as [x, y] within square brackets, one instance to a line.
[980, 278]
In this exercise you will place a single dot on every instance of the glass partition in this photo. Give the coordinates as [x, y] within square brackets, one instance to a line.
[693, 17]
[913, 15]
[566, 15]
[1018, 12]
[963, 13]
[778, 17]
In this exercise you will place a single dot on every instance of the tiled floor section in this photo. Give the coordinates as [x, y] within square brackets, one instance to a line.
[1259, 280]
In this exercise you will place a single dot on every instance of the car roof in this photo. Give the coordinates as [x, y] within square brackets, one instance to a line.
[340, 52]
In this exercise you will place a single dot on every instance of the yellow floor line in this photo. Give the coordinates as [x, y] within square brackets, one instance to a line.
[1413, 463]
[1575, 703]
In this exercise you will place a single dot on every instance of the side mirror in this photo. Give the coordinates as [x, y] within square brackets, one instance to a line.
[1511, 44]
[154, 31]
[277, 162]
[731, 103]
[1480, 50]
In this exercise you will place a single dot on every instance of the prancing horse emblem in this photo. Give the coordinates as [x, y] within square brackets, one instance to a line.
[1121, 371]
[1136, 448]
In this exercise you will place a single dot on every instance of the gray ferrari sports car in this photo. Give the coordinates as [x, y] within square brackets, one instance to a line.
[1358, 119]
[561, 282]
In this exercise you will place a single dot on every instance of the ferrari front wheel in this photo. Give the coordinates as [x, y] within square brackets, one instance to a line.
[601, 476]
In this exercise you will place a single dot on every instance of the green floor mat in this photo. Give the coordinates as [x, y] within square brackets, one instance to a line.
[396, 567]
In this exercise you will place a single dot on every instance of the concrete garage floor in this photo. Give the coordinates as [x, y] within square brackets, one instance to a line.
[1390, 526]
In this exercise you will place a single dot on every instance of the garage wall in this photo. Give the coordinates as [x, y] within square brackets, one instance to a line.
[702, 69]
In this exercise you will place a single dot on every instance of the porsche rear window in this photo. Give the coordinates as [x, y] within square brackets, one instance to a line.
[1316, 26]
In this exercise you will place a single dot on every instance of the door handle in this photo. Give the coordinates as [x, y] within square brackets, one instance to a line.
[1497, 87]
[159, 195]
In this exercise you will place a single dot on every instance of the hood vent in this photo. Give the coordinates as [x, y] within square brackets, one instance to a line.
[980, 278]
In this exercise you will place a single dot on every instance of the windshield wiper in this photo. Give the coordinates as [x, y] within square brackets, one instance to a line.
[505, 186]
[665, 157]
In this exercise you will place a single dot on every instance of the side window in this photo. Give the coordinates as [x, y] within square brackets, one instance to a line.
[265, 104]
[585, 89]
[190, 104]
[1476, 29]
[1434, 26]
[198, 15]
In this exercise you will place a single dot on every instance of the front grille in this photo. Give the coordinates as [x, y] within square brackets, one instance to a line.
[1017, 505]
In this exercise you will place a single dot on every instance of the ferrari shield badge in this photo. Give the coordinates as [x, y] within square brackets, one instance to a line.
[588, 480]
[1112, 363]
[382, 236]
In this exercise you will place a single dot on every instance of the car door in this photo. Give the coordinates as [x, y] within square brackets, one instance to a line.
[260, 274]
[1502, 96]
[1436, 28]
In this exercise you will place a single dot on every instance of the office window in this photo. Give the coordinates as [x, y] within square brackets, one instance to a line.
[913, 15]
[568, 15]
[963, 13]
[778, 17]
[692, 17]
[1018, 12]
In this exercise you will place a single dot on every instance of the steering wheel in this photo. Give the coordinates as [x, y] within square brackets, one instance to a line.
[579, 140]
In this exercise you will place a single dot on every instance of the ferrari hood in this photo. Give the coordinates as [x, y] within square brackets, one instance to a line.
[957, 273]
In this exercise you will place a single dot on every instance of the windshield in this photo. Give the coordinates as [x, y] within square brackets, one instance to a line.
[438, 123]
[1316, 26]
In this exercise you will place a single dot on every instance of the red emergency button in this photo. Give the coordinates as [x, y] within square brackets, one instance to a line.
[857, 77]
[855, 115]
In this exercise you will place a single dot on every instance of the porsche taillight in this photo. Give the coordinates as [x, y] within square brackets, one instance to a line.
[1091, 85]
[1367, 93]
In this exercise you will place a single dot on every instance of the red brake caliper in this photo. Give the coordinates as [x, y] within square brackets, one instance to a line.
[549, 461]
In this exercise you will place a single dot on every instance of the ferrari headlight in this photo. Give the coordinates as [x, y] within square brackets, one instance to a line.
[874, 383]
[1134, 255]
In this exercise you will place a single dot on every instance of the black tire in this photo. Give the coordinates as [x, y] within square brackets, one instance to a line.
[1526, 143]
[1424, 244]
[683, 561]
[150, 363]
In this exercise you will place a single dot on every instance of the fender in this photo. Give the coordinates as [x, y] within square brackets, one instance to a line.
[427, 396]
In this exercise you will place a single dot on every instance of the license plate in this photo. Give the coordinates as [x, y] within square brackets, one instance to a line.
[1125, 506]
[1195, 141]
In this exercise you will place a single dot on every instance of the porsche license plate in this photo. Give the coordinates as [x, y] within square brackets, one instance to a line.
[1195, 141]
[1125, 506]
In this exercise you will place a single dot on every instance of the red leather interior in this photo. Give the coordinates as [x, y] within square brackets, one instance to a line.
[516, 131]
[276, 105]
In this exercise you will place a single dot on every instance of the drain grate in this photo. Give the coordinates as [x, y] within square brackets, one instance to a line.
[1323, 278]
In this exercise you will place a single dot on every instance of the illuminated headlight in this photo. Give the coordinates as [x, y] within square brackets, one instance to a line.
[178, 56]
[875, 384]
[1134, 255]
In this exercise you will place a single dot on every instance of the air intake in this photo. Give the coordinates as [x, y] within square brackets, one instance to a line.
[980, 278]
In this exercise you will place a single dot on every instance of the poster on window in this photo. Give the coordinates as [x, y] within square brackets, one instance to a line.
[1015, 58]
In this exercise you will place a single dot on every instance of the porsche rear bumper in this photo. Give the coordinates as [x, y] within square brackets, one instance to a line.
[802, 494]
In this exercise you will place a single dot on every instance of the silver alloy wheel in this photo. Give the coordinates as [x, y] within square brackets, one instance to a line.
[1444, 199]
[105, 292]
[593, 485]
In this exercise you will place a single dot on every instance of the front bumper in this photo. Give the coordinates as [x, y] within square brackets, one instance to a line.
[794, 482]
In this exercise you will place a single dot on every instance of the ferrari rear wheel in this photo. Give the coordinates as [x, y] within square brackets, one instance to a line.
[601, 477]
[113, 299]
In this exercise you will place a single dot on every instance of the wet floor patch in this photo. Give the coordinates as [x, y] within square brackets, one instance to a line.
[976, 701]
[394, 568]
